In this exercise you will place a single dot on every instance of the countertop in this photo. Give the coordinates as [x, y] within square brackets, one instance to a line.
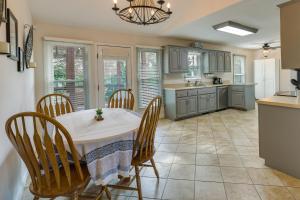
[282, 101]
[183, 87]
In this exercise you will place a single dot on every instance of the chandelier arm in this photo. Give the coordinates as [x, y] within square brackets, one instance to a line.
[137, 15]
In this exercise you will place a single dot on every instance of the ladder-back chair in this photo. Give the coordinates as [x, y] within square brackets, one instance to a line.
[143, 148]
[122, 98]
[54, 105]
[49, 155]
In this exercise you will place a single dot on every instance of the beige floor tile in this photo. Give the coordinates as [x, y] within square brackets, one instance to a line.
[167, 148]
[185, 158]
[235, 175]
[243, 150]
[170, 140]
[230, 160]
[207, 159]
[152, 187]
[186, 148]
[295, 192]
[253, 161]
[162, 168]
[208, 173]
[179, 190]
[184, 172]
[206, 148]
[241, 192]
[264, 177]
[273, 193]
[164, 157]
[209, 191]
[226, 149]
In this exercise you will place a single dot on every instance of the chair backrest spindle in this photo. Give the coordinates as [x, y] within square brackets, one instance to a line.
[54, 105]
[121, 99]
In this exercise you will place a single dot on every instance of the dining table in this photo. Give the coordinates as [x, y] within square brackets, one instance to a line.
[106, 146]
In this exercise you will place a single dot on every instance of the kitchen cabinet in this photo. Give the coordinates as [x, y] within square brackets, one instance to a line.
[221, 61]
[175, 59]
[183, 103]
[216, 61]
[186, 106]
[242, 97]
[290, 31]
[227, 67]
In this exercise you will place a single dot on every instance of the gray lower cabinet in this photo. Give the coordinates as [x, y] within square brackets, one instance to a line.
[242, 97]
[186, 106]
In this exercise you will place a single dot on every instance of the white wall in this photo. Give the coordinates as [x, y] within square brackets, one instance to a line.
[17, 95]
[101, 36]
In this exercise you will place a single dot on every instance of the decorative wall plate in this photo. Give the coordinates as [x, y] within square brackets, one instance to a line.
[28, 47]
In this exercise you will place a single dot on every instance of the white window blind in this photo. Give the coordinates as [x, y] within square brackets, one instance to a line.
[66, 71]
[149, 75]
[239, 63]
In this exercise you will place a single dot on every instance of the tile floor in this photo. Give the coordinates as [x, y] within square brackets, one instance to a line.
[211, 157]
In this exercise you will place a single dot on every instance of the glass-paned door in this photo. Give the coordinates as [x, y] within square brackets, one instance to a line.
[66, 71]
[115, 69]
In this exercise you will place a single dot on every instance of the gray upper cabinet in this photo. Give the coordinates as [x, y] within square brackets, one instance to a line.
[175, 59]
[227, 67]
[216, 61]
[221, 61]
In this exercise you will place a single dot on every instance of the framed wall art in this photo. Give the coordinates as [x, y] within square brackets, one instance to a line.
[3, 7]
[21, 64]
[12, 35]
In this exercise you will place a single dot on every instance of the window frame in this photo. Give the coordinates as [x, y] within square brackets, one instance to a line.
[48, 46]
[159, 52]
[234, 74]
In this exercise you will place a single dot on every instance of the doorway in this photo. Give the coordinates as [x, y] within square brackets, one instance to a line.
[114, 71]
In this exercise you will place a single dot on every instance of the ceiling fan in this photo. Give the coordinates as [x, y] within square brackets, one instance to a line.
[266, 47]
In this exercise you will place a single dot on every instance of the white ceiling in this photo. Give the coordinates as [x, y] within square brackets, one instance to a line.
[192, 19]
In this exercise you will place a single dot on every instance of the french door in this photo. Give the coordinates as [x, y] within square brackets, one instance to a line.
[114, 71]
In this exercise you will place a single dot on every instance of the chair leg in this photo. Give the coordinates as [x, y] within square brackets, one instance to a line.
[107, 192]
[138, 182]
[35, 198]
[154, 167]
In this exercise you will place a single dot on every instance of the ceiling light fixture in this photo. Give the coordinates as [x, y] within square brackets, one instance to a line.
[235, 28]
[143, 12]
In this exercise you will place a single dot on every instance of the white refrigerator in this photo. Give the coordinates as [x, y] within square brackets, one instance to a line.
[266, 77]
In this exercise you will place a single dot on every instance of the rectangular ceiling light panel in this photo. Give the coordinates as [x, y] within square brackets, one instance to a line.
[235, 28]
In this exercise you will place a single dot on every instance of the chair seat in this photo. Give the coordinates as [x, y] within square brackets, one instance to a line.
[65, 190]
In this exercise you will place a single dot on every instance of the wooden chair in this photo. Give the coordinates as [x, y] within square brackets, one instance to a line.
[54, 105]
[143, 148]
[121, 99]
[46, 158]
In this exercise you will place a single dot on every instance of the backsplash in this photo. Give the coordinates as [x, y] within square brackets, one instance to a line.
[179, 78]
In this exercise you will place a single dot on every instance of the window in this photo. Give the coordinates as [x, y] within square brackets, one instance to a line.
[67, 71]
[239, 63]
[149, 75]
[194, 64]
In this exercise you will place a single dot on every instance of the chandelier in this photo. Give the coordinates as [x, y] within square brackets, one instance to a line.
[143, 12]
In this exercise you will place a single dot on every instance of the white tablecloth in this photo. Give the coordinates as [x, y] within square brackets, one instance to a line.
[105, 145]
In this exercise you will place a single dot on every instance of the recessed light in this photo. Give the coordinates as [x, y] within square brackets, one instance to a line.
[235, 28]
